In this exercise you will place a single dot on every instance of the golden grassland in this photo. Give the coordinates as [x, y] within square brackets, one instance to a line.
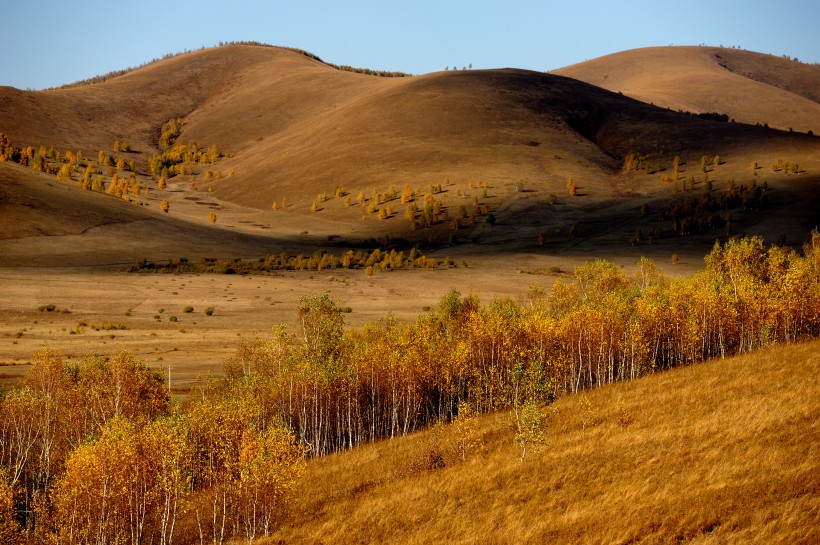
[720, 452]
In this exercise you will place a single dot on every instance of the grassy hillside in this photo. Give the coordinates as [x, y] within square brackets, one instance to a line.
[492, 149]
[721, 452]
[747, 86]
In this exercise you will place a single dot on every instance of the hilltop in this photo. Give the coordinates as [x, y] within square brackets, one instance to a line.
[748, 87]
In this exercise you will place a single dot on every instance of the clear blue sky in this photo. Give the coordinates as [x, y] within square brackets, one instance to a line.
[49, 43]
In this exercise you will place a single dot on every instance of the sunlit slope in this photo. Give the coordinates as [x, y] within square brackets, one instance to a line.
[748, 87]
[722, 452]
[499, 126]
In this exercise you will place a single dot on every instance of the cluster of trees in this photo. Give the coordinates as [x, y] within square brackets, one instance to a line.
[374, 260]
[698, 213]
[174, 157]
[42, 159]
[66, 165]
[711, 116]
[95, 452]
[787, 167]
[635, 161]
[337, 388]
[124, 188]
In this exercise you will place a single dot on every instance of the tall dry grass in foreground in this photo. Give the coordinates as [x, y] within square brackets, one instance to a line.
[720, 452]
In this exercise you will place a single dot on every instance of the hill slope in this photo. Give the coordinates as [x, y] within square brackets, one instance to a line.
[724, 451]
[748, 87]
[501, 142]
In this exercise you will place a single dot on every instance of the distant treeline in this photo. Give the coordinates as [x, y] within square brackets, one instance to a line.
[346, 68]
[712, 116]
[370, 261]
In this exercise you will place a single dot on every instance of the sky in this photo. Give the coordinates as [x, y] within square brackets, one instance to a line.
[50, 43]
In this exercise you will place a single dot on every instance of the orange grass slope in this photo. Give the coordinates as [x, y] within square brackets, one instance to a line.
[722, 452]
[747, 86]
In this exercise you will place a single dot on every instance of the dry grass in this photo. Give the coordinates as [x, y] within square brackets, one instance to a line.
[723, 452]
[754, 88]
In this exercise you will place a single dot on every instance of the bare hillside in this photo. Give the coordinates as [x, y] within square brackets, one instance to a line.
[746, 86]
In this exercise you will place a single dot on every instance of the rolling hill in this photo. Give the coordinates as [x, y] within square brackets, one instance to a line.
[296, 131]
[746, 86]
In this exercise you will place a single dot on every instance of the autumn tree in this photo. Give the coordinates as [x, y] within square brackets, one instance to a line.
[125, 486]
[10, 531]
[164, 206]
[245, 463]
